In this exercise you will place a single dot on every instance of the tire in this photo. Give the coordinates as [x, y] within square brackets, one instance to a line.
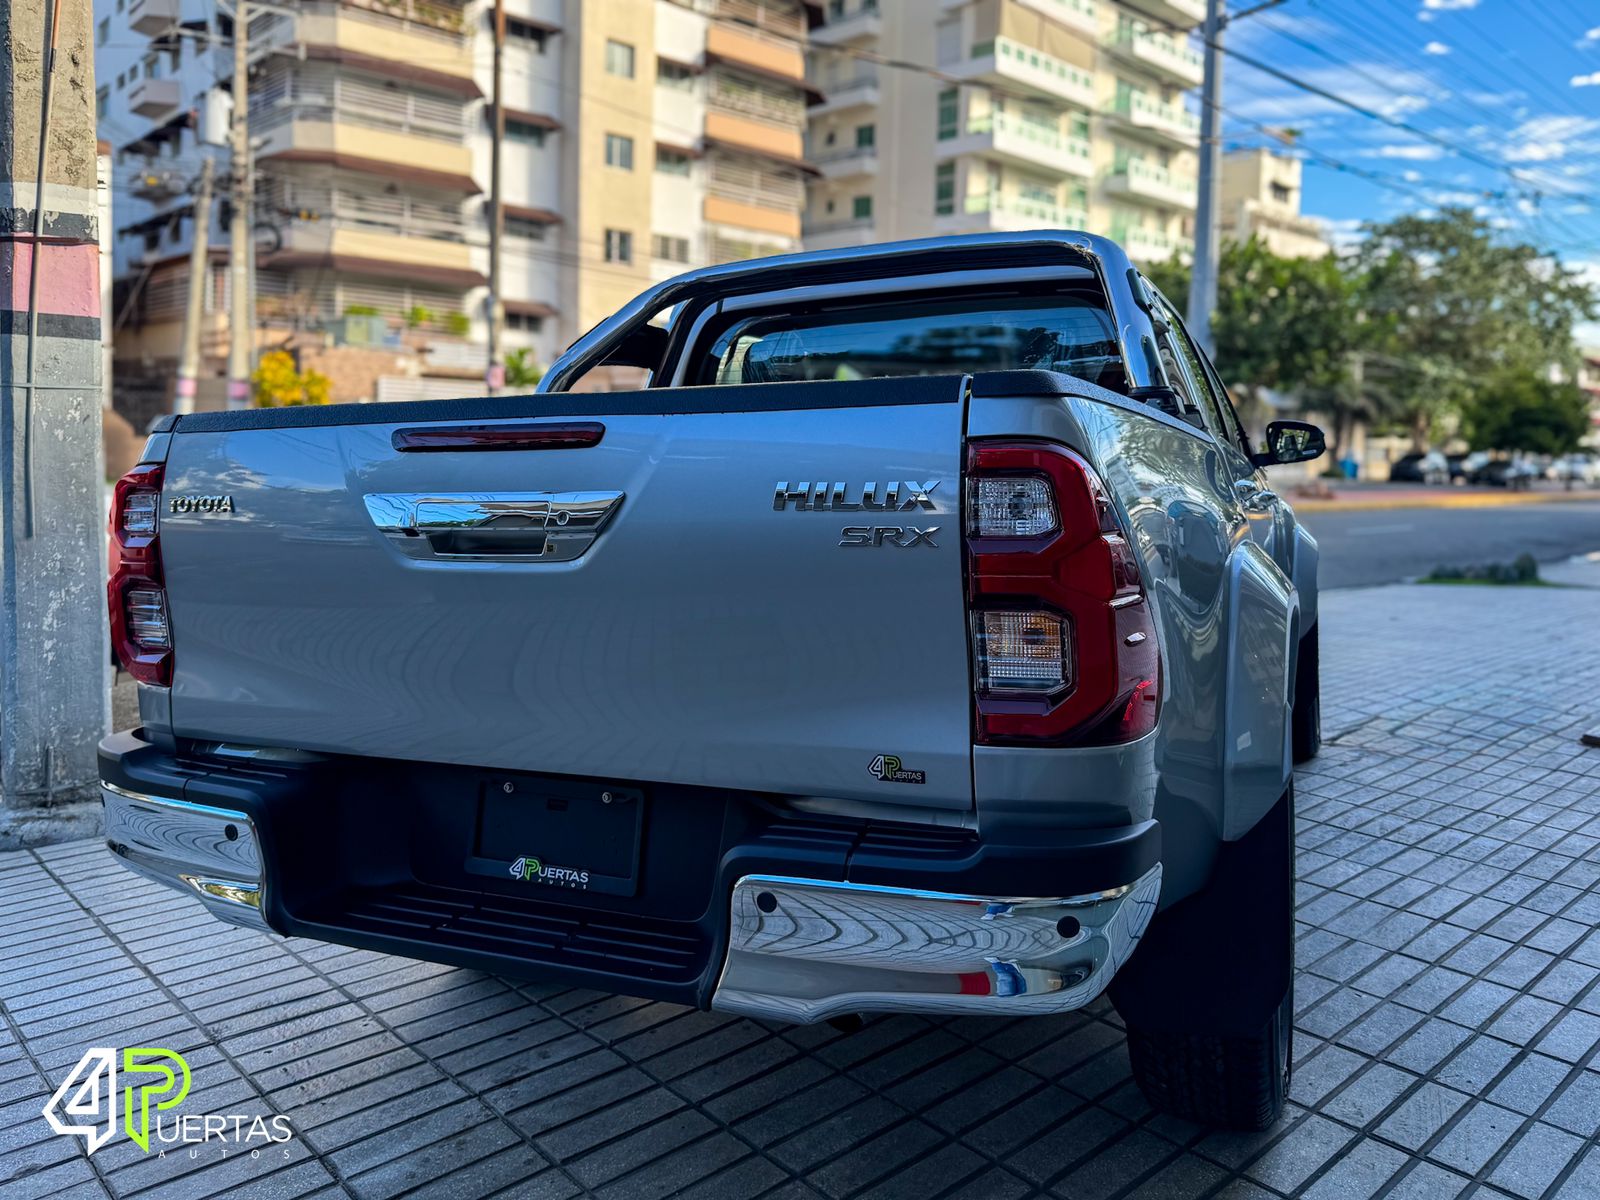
[1305, 718]
[1208, 997]
[1224, 1082]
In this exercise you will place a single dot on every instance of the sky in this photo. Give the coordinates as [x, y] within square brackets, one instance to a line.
[1516, 82]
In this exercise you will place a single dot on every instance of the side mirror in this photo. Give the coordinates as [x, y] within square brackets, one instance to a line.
[1290, 442]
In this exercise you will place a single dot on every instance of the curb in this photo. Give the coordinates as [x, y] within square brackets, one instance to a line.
[1476, 500]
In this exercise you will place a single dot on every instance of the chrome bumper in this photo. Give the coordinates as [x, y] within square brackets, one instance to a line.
[211, 853]
[805, 950]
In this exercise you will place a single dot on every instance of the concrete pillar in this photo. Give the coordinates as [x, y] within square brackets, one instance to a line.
[54, 673]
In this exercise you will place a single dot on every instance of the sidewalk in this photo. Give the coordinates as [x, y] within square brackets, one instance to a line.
[1376, 497]
[1448, 1026]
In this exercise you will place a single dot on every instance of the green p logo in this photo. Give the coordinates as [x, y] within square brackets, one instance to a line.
[166, 1090]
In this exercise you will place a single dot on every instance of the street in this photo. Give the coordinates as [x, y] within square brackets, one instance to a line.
[1389, 545]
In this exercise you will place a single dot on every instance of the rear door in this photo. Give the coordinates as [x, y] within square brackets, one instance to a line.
[679, 602]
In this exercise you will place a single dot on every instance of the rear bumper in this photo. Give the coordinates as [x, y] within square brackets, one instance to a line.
[737, 909]
[211, 853]
[805, 950]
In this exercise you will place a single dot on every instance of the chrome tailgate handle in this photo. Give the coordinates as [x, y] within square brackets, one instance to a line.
[492, 526]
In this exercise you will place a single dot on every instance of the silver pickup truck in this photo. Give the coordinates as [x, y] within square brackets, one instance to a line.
[924, 637]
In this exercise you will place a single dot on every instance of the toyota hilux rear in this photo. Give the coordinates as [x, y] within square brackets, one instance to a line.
[821, 675]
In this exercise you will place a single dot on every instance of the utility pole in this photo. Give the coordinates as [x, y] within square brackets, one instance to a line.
[241, 316]
[55, 675]
[495, 377]
[199, 283]
[1207, 237]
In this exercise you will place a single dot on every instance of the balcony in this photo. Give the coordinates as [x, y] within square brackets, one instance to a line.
[862, 25]
[428, 38]
[1000, 212]
[829, 235]
[1007, 137]
[1146, 246]
[401, 140]
[848, 92]
[1151, 184]
[767, 53]
[1162, 55]
[153, 97]
[849, 162]
[151, 17]
[1183, 13]
[1082, 15]
[1167, 123]
[1012, 64]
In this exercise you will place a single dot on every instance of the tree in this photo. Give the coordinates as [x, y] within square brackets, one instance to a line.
[1520, 411]
[1292, 325]
[1462, 311]
[521, 370]
[278, 384]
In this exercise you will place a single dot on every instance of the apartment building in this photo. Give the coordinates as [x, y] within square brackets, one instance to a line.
[1034, 114]
[1261, 199]
[642, 137]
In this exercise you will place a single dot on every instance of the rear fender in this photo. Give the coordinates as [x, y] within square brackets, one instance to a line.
[1263, 624]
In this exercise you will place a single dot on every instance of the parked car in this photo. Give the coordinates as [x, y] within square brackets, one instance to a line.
[1574, 469]
[1505, 472]
[1431, 468]
[1462, 466]
[927, 637]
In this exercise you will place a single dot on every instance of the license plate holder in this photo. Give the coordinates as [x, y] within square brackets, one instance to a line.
[559, 835]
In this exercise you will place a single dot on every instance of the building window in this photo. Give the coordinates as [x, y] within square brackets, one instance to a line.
[531, 36]
[861, 208]
[619, 59]
[152, 67]
[835, 9]
[1281, 194]
[525, 132]
[521, 227]
[944, 188]
[619, 246]
[673, 249]
[949, 113]
[524, 323]
[672, 162]
[674, 75]
[101, 98]
[102, 31]
[619, 151]
[866, 136]
[133, 72]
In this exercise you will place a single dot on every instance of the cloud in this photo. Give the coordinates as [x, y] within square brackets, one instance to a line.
[1277, 103]
[1592, 79]
[1436, 48]
[1589, 39]
[1548, 138]
[1448, 5]
[1411, 153]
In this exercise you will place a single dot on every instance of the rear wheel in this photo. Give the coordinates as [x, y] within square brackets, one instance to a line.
[1208, 998]
[1306, 715]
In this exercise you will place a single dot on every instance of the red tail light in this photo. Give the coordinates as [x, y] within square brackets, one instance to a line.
[141, 631]
[1064, 647]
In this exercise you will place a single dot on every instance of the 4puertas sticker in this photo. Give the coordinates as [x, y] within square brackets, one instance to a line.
[887, 768]
[155, 1081]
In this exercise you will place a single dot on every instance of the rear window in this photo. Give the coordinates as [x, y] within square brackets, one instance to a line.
[1070, 332]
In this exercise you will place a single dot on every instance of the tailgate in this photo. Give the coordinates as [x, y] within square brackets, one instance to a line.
[637, 609]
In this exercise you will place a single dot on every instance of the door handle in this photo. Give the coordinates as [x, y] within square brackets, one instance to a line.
[492, 526]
